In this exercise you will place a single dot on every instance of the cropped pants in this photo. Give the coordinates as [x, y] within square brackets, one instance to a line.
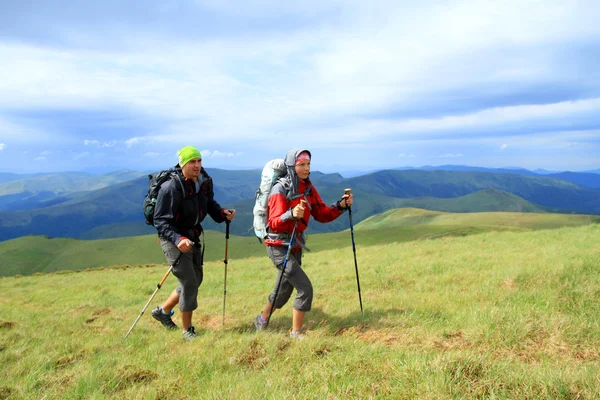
[292, 278]
[187, 267]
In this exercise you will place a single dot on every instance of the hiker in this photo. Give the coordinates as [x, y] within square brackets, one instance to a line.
[292, 201]
[177, 218]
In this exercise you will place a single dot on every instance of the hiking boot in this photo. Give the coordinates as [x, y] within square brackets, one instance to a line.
[164, 319]
[298, 335]
[259, 324]
[190, 333]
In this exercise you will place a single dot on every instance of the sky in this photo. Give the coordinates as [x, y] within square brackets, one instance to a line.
[104, 86]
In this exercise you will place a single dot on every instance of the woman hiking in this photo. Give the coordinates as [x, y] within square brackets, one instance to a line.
[292, 201]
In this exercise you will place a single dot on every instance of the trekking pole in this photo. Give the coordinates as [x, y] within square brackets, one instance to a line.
[154, 294]
[285, 260]
[225, 262]
[354, 251]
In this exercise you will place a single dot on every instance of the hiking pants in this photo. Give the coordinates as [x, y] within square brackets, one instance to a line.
[293, 277]
[189, 272]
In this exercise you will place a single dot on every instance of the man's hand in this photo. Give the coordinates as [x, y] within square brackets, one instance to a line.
[229, 214]
[185, 245]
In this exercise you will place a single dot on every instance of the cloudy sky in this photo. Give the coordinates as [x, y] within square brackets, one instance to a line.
[363, 85]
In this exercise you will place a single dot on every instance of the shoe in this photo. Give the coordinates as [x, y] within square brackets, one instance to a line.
[164, 319]
[259, 324]
[190, 333]
[298, 335]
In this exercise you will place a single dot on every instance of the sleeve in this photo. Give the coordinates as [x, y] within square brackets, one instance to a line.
[320, 211]
[167, 202]
[214, 209]
[280, 213]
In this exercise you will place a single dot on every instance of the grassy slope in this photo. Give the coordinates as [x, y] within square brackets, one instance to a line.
[496, 315]
[31, 254]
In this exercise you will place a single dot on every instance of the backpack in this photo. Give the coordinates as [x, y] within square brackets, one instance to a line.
[272, 172]
[154, 183]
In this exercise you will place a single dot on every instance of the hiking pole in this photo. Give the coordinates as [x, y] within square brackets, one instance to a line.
[285, 260]
[154, 294]
[354, 251]
[225, 262]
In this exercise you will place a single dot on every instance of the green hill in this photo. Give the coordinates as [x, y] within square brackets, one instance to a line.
[30, 254]
[375, 193]
[505, 315]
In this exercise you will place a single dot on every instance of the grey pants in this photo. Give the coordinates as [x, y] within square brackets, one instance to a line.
[188, 269]
[293, 277]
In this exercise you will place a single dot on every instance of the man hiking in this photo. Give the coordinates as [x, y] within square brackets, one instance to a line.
[292, 201]
[181, 205]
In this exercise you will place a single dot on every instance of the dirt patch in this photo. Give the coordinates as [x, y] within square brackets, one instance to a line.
[340, 331]
[210, 321]
[322, 352]
[453, 341]
[7, 324]
[283, 346]
[69, 359]
[255, 356]
[101, 312]
[509, 283]
[6, 392]
[588, 355]
[128, 376]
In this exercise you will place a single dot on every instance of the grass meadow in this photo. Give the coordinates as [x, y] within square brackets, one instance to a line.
[498, 315]
[30, 255]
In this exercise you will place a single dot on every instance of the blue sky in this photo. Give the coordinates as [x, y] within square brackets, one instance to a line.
[363, 85]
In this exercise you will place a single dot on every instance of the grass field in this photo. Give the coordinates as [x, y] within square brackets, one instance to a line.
[38, 254]
[510, 314]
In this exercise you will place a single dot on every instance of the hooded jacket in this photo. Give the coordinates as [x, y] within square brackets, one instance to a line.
[178, 215]
[286, 194]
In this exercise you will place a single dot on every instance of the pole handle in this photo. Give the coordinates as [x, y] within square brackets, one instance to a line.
[347, 190]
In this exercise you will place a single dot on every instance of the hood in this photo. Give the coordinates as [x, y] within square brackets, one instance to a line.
[291, 177]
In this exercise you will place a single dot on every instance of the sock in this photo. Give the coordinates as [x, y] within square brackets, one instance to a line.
[163, 311]
[262, 319]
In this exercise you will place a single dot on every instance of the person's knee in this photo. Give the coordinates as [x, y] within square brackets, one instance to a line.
[304, 299]
[189, 289]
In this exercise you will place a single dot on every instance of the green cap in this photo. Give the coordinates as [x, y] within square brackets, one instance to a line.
[187, 154]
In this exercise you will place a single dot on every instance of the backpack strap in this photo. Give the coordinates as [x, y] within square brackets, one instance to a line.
[177, 177]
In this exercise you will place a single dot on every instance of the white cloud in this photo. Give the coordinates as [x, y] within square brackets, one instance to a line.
[504, 147]
[138, 140]
[2, 146]
[402, 155]
[338, 74]
[217, 153]
[79, 156]
[99, 144]
[153, 154]
[450, 155]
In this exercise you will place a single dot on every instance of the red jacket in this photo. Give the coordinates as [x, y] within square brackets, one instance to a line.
[280, 210]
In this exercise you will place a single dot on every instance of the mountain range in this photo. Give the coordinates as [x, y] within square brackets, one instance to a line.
[89, 206]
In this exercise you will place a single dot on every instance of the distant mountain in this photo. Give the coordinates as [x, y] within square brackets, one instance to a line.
[544, 191]
[7, 176]
[43, 190]
[588, 179]
[115, 210]
[520, 171]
